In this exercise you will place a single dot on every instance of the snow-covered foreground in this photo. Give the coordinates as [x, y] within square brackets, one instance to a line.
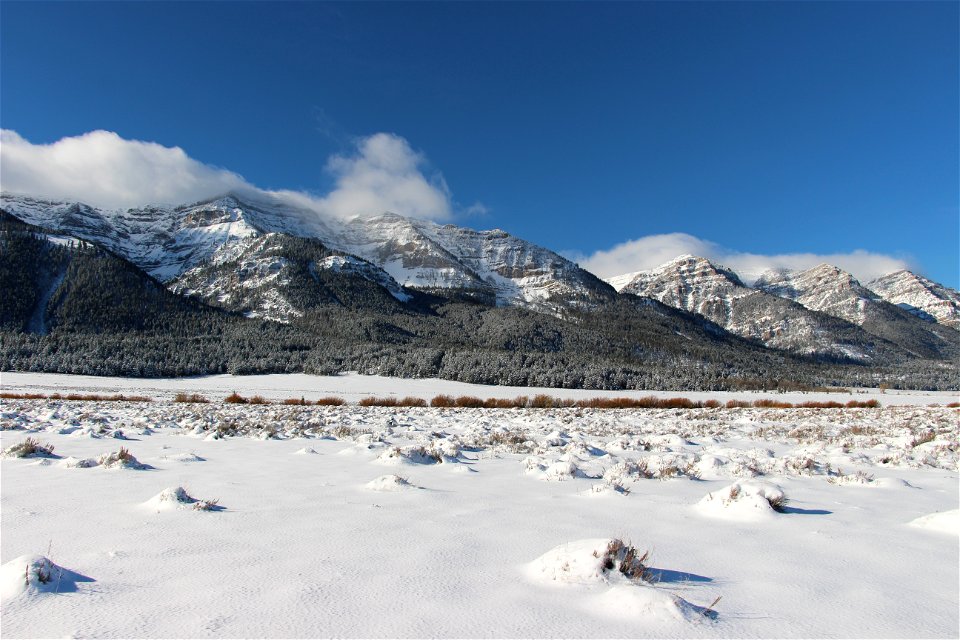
[352, 387]
[289, 521]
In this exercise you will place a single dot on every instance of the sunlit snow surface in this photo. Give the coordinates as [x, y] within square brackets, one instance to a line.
[474, 522]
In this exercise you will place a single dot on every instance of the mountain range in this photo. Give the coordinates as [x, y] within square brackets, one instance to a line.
[423, 295]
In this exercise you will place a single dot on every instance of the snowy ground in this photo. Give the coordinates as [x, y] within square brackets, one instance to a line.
[352, 387]
[352, 521]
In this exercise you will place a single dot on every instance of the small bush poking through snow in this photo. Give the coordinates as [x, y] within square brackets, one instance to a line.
[178, 498]
[235, 398]
[122, 459]
[860, 477]
[29, 448]
[745, 499]
[389, 483]
[625, 558]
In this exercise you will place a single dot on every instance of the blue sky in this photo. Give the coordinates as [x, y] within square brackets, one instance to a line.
[757, 129]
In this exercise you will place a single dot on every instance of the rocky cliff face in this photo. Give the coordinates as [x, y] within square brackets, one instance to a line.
[831, 290]
[920, 296]
[695, 284]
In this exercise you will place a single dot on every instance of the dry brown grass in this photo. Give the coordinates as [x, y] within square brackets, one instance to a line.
[7, 395]
[443, 401]
[331, 401]
[94, 397]
[378, 402]
[235, 398]
[469, 402]
[767, 403]
[194, 398]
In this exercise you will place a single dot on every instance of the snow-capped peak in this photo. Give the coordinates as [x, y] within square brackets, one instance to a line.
[920, 296]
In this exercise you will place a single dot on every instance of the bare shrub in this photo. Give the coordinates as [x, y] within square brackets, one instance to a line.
[767, 403]
[865, 404]
[331, 401]
[469, 402]
[206, 505]
[623, 557]
[680, 403]
[412, 401]
[737, 404]
[7, 395]
[30, 447]
[778, 502]
[378, 402]
[258, 400]
[95, 397]
[235, 398]
[923, 437]
[443, 401]
[541, 401]
[295, 402]
[121, 458]
[190, 397]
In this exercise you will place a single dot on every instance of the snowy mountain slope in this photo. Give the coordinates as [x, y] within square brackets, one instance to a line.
[822, 288]
[280, 277]
[695, 284]
[58, 283]
[619, 282]
[504, 269]
[169, 241]
[833, 291]
[920, 296]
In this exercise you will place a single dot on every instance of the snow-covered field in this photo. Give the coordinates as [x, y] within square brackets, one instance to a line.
[290, 521]
[352, 387]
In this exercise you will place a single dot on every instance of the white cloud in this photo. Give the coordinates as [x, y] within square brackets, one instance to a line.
[385, 174]
[102, 169]
[651, 251]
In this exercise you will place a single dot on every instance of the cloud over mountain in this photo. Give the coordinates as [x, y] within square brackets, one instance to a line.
[100, 168]
[651, 251]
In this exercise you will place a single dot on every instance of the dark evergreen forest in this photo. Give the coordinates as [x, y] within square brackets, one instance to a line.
[74, 307]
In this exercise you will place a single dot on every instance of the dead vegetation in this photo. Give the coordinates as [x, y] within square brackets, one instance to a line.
[29, 448]
[623, 557]
[190, 398]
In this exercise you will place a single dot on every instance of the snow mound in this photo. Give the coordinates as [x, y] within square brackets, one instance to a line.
[410, 455]
[743, 501]
[305, 451]
[615, 579]
[178, 498]
[186, 457]
[29, 448]
[858, 479]
[389, 483]
[78, 463]
[943, 521]
[121, 459]
[36, 574]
